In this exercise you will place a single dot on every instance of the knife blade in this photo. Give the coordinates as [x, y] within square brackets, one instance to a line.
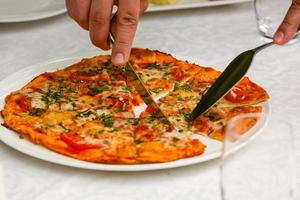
[138, 84]
[233, 73]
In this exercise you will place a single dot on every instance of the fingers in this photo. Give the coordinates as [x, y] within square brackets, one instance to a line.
[99, 24]
[126, 24]
[95, 16]
[290, 24]
[79, 11]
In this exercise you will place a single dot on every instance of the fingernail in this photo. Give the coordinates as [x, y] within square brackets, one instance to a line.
[279, 36]
[118, 59]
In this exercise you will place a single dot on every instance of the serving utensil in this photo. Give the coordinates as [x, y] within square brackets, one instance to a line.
[233, 73]
[138, 84]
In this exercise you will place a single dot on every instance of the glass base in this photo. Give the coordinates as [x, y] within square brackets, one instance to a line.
[268, 39]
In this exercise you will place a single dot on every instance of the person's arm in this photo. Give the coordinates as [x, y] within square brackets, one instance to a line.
[95, 16]
[289, 25]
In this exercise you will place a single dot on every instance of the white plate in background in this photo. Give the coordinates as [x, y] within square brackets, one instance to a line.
[9, 137]
[29, 10]
[185, 4]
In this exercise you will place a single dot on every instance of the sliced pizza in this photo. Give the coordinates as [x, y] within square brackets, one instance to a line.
[88, 110]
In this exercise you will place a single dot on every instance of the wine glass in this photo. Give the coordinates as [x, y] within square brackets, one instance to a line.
[266, 168]
[269, 15]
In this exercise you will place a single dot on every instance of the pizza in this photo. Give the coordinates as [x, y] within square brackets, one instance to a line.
[88, 110]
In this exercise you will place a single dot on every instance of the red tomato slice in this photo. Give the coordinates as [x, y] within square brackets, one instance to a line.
[236, 95]
[137, 100]
[80, 76]
[244, 91]
[177, 72]
[24, 104]
[74, 142]
[151, 109]
[141, 127]
[203, 125]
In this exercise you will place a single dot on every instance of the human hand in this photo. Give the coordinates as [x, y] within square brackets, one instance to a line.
[290, 24]
[95, 16]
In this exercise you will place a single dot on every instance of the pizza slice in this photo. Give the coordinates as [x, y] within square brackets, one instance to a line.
[156, 142]
[160, 71]
[105, 139]
[245, 92]
[178, 104]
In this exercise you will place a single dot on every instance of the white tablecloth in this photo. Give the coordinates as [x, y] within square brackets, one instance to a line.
[213, 35]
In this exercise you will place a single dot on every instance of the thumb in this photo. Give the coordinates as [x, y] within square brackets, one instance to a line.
[289, 25]
[124, 27]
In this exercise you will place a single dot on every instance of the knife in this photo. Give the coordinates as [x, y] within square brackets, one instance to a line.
[233, 73]
[138, 84]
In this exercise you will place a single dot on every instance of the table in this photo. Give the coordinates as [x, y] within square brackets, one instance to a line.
[214, 35]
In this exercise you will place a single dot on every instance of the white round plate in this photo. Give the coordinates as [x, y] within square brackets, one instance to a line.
[22, 77]
[29, 10]
[187, 4]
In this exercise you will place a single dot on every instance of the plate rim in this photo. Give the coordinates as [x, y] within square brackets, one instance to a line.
[207, 3]
[101, 166]
[26, 18]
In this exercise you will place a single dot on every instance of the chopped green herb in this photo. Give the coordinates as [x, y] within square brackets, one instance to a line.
[26, 114]
[114, 130]
[21, 137]
[95, 90]
[134, 121]
[138, 141]
[157, 90]
[107, 120]
[62, 126]
[189, 127]
[176, 86]
[166, 72]
[107, 63]
[120, 69]
[186, 114]
[98, 133]
[37, 111]
[108, 123]
[50, 97]
[182, 87]
[180, 99]
[91, 71]
[71, 90]
[221, 123]
[126, 88]
[213, 116]
[85, 113]
[170, 64]
[62, 85]
[154, 66]
[118, 109]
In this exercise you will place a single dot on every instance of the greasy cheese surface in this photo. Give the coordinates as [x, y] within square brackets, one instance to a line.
[86, 110]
